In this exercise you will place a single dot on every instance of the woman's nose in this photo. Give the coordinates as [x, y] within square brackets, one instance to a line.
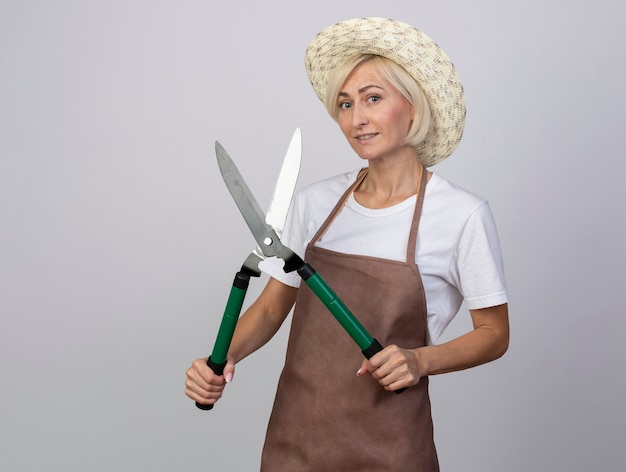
[359, 115]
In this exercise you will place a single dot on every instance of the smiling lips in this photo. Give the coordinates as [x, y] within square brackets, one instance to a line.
[365, 137]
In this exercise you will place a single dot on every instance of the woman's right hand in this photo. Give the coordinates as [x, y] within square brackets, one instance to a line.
[203, 385]
[254, 328]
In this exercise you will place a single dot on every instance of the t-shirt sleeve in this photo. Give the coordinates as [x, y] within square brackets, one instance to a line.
[479, 262]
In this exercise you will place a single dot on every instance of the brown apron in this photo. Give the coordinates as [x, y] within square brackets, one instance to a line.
[325, 417]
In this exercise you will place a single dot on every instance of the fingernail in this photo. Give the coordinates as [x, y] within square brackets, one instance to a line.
[229, 377]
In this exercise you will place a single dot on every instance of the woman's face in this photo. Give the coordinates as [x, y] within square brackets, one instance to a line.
[374, 117]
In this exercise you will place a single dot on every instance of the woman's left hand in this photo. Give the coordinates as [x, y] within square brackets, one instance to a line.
[393, 367]
[396, 368]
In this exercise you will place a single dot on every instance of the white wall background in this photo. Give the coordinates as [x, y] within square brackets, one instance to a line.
[118, 240]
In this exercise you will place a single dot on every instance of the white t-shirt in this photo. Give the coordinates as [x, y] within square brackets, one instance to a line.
[458, 251]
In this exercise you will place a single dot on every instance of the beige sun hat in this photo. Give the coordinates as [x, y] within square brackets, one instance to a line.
[427, 63]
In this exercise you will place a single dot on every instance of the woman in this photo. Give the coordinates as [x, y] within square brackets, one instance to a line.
[398, 101]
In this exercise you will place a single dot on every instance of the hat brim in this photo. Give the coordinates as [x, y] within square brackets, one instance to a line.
[419, 55]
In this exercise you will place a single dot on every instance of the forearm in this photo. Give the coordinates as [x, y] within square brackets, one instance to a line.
[486, 342]
[262, 319]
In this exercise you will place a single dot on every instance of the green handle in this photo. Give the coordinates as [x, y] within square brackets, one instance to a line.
[369, 345]
[217, 360]
[339, 310]
[230, 317]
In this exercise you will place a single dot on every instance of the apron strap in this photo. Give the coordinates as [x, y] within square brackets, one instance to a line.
[340, 204]
[419, 203]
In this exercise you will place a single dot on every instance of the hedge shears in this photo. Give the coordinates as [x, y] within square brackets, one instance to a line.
[268, 240]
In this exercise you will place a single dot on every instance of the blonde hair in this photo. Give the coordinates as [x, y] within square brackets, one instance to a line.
[398, 77]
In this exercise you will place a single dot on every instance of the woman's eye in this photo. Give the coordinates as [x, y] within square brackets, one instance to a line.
[344, 106]
[373, 98]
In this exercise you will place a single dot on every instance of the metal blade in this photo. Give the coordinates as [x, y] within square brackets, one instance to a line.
[285, 184]
[263, 233]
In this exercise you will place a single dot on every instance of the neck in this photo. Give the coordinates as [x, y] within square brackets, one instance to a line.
[390, 181]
